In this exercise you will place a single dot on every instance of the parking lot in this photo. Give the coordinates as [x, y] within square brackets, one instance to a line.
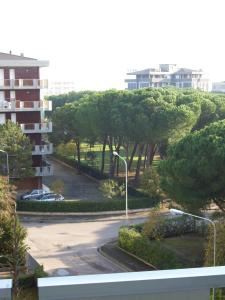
[77, 186]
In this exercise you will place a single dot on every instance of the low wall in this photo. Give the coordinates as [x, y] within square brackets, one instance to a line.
[179, 284]
[5, 289]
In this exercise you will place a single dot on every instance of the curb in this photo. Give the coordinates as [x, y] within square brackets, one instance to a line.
[114, 261]
[132, 213]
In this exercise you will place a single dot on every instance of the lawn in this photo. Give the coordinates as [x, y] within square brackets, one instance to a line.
[96, 163]
[188, 248]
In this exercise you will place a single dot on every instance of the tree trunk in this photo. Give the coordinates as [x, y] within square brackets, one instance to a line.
[150, 154]
[138, 168]
[117, 160]
[103, 156]
[132, 156]
[78, 155]
[111, 159]
[145, 159]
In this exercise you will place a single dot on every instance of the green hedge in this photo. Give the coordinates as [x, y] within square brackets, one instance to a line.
[150, 251]
[84, 206]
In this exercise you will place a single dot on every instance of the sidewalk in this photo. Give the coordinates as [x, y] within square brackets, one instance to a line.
[125, 261]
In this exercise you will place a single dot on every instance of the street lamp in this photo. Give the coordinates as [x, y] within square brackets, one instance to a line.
[116, 154]
[180, 212]
[7, 162]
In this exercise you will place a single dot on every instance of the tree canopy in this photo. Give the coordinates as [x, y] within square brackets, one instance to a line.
[18, 147]
[194, 172]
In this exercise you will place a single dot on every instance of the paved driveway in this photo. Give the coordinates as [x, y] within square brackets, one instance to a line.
[71, 248]
[77, 187]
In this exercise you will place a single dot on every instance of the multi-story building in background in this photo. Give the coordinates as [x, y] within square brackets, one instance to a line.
[218, 87]
[20, 102]
[59, 87]
[168, 75]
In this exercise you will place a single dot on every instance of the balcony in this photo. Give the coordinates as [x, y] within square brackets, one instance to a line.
[18, 105]
[177, 284]
[44, 127]
[42, 149]
[44, 171]
[16, 84]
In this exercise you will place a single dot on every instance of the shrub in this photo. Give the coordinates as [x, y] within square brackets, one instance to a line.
[150, 183]
[150, 251]
[111, 189]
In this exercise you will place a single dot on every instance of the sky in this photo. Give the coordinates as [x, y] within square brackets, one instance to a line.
[95, 42]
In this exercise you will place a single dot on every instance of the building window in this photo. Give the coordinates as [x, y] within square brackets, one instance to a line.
[132, 85]
[143, 85]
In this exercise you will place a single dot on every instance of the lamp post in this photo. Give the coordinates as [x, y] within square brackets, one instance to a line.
[7, 162]
[180, 212]
[116, 154]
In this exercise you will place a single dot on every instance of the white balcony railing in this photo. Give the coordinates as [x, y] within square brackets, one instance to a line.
[37, 127]
[177, 284]
[44, 171]
[42, 149]
[18, 105]
[24, 84]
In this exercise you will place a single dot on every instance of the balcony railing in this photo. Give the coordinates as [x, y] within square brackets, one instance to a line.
[18, 105]
[24, 84]
[42, 149]
[44, 171]
[177, 284]
[37, 127]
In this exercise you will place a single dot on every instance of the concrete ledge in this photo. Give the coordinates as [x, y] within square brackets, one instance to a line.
[5, 289]
[176, 284]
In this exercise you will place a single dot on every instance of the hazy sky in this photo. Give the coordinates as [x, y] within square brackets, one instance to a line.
[94, 42]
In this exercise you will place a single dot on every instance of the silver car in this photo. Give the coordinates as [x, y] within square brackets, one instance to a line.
[50, 197]
[33, 194]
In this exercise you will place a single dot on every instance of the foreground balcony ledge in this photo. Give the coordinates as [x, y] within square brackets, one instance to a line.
[44, 127]
[18, 105]
[177, 284]
[5, 289]
[9, 84]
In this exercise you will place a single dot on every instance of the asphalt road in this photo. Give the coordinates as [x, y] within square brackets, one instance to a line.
[66, 248]
[77, 186]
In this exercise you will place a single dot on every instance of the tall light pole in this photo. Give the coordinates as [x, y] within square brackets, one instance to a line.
[124, 160]
[180, 212]
[7, 162]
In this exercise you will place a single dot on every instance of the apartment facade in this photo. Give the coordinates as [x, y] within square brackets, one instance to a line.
[20, 102]
[218, 87]
[168, 75]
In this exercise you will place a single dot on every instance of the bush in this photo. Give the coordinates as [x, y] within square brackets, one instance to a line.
[150, 251]
[111, 189]
[84, 206]
[150, 183]
[163, 228]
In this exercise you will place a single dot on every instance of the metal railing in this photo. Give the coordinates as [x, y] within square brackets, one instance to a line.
[44, 127]
[24, 84]
[18, 105]
[44, 171]
[42, 149]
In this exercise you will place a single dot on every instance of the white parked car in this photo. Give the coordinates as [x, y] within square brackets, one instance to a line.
[50, 197]
[33, 194]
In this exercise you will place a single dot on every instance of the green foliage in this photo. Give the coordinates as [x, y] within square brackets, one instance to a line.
[18, 147]
[153, 253]
[7, 197]
[193, 173]
[13, 237]
[84, 206]
[157, 227]
[67, 149]
[150, 183]
[111, 189]
[220, 249]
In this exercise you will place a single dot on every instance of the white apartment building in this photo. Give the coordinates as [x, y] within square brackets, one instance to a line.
[168, 75]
